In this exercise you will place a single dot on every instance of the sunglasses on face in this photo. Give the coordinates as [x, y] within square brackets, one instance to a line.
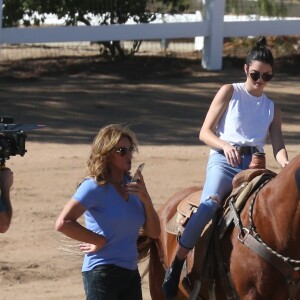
[264, 76]
[122, 151]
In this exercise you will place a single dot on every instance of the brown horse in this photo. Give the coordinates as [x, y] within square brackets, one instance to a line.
[268, 270]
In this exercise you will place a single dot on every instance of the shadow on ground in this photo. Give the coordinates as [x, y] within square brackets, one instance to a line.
[163, 99]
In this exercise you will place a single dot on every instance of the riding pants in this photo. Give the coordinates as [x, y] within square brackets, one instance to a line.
[218, 183]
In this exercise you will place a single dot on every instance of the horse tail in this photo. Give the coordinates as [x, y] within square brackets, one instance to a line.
[143, 246]
[148, 248]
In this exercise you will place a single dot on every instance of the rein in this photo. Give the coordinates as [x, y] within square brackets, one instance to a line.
[285, 265]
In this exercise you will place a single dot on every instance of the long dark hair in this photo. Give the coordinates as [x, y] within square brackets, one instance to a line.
[261, 53]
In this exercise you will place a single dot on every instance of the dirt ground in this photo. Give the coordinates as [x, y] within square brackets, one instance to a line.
[165, 102]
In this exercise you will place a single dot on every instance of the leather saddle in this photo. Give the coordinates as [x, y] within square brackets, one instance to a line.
[243, 185]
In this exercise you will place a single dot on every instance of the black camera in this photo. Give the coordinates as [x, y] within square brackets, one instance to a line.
[13, 138]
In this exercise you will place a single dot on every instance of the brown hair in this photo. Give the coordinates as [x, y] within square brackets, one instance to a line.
[102, 147]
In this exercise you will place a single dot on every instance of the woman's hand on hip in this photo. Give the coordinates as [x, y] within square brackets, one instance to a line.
[89, 248]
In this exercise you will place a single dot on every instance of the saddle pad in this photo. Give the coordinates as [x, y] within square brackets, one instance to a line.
[185, 209]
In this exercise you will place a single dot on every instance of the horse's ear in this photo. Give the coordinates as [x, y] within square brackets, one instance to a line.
[297, 177]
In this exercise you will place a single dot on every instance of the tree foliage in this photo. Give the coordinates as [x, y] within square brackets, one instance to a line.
[258, 7]
[34, 12]
[74, 12]
[106, 12]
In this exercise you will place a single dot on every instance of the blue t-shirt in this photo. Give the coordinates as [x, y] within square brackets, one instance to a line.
[108, 214]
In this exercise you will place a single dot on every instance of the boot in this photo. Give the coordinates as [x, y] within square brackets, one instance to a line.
[172, 277]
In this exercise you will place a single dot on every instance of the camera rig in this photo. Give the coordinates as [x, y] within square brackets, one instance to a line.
[13, 138]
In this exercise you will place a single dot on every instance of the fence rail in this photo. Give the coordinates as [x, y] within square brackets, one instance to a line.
[213, 28]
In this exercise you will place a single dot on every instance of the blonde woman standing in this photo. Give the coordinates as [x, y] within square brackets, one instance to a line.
[114, 209]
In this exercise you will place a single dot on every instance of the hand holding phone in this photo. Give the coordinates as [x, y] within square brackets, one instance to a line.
[136, 175]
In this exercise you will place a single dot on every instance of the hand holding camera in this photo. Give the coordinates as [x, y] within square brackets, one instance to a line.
[13, 138]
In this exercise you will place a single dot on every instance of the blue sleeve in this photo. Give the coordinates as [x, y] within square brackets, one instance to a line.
[87, 193]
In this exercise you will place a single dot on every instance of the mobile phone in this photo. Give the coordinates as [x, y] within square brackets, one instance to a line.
[136, 175]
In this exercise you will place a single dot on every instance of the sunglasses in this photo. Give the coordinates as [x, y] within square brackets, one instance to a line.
[122, 151]
[264, 76]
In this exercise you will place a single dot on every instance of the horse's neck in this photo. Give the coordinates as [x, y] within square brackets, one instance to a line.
[278, 207]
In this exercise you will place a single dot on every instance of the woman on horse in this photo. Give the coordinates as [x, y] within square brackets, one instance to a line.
[115, 209]
[236, 126]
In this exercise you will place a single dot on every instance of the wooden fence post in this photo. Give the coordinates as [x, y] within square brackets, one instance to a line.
[213, 43]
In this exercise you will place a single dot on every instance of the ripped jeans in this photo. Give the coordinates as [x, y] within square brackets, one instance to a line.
[219, 176]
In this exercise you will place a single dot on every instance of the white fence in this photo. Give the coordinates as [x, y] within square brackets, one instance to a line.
[213, 28]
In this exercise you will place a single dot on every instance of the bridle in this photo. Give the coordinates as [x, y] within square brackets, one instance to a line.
[288, 267]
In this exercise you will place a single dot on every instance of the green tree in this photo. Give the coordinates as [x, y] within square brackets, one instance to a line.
[75, 11]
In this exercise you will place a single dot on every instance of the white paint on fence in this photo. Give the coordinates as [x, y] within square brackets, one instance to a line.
[212, 29]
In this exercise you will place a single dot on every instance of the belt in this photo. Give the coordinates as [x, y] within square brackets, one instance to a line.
[246, 149]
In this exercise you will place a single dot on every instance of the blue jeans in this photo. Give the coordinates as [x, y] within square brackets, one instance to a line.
[219, 176]
[110, 282]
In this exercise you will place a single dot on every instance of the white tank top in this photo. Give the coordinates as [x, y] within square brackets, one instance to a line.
[247, 119]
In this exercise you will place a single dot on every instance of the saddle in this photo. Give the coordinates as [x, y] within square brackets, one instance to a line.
[243, 185]
[185, 209]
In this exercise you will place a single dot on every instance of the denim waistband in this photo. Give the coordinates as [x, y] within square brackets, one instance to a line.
[112, 267]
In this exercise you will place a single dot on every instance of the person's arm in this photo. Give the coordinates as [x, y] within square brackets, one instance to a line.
[67, 224]
[215, 112]
[6, 181]
[277, 140]
[152, 223]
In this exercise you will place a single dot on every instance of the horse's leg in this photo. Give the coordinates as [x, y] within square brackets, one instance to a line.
[156, 273]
